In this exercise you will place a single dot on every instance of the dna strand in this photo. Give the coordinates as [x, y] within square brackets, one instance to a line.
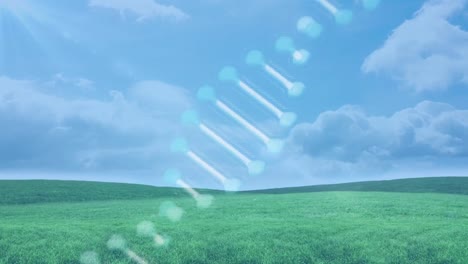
[307, 26]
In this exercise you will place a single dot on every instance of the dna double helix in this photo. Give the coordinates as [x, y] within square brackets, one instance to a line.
[207, 94]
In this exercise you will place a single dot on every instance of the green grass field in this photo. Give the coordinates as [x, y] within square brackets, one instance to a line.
[405, 221]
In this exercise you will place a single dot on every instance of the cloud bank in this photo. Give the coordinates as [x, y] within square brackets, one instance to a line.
[348, 144]
[129, 132]
[125, 131]
[427, 52]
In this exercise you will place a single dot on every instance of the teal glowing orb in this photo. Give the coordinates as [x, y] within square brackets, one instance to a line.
[288, 119]
[206, 93]
[228, 74]
[309, 26]
[190, 117]
[171, 176]
[255, 58]
[370, 4]
[344, 17]
[179, 145]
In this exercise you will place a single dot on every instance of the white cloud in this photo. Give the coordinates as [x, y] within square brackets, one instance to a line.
[133, 110]
[50, 130]
[143, 9]
[431, 129]
[426, 52]
[126, 133]
[160, 96]
[129, 132]
[68, 86]
[348, 144]
[60, 79]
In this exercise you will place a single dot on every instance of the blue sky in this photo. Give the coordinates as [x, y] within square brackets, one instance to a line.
[94, 89]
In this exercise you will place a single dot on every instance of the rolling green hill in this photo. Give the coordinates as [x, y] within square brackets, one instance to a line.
[44, 191]
[452, 185]
[41, 191]
[429, 225]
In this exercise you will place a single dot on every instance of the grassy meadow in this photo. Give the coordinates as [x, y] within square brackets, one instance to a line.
[426, 221]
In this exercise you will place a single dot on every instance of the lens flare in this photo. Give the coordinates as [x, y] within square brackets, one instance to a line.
[254, 167]
[173, 176]
[180, 145]
[273, 145]
[255, 58]
[147, 229]
[89, 257]
[118, 243]
[286, 45]
[171, 211]
[342, 16]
